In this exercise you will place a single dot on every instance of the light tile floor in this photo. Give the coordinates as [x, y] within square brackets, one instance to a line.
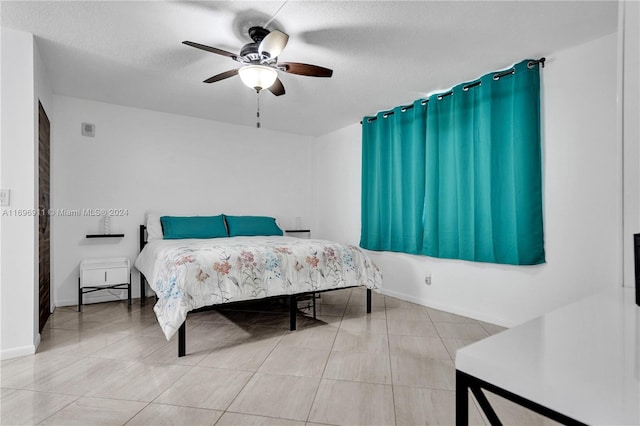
[111, 365]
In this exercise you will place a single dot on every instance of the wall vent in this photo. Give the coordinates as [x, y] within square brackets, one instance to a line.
[88, 129]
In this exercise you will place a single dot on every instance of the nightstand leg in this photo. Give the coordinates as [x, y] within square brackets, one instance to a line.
[129, 290]
[79, 296]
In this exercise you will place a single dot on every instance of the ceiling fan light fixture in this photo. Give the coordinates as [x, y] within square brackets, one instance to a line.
[258, 76]
[273, 44]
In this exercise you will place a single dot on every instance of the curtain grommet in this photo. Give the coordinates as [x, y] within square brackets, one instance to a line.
[470, 85]
[443, 95]
[499, 75]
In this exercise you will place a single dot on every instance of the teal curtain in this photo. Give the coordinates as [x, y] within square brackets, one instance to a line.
[472, 160]
[393, 151]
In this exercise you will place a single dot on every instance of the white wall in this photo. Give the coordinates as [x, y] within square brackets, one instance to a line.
[23, 82]
[337, 179]
[582, 203]
[630, 127]
[141, 160]
[44, 95]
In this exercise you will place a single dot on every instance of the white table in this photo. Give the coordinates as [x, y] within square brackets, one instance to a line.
[578, 364]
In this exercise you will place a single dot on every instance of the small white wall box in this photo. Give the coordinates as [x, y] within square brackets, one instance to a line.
[102, 274]
[5, 197]
[88, 129]
[298, 233]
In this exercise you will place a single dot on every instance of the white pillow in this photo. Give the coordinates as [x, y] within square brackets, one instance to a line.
[154, 228]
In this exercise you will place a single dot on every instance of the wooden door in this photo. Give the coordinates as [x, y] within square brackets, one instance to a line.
[43, 193]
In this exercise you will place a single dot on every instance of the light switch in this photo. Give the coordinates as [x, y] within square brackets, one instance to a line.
[4, 197]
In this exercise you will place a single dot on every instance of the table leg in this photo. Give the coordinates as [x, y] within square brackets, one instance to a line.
[462, 399]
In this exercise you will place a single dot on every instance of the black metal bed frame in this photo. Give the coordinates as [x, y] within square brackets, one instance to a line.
[636, 257]
[293, 301]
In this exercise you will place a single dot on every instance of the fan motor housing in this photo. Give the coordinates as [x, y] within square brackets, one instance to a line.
[258, 34]
[250, 52]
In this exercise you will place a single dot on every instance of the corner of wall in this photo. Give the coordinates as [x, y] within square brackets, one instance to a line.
[629, 128]
[18, 253]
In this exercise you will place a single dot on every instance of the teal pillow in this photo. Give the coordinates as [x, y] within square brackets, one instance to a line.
[252, 225]
[176, 227]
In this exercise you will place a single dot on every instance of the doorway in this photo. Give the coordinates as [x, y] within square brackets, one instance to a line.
[44, 252]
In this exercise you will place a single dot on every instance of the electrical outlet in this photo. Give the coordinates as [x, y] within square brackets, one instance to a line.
[427, 279]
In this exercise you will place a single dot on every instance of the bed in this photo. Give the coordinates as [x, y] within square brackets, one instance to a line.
[188, 274]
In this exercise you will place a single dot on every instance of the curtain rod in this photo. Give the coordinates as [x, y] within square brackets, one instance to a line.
[496, 76]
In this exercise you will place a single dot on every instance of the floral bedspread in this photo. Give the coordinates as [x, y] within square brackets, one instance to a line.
[189, 274]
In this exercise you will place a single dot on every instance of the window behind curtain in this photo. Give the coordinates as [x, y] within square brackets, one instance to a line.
[460, 176]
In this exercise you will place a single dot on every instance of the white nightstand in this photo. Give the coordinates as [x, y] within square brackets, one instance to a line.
[102, 274]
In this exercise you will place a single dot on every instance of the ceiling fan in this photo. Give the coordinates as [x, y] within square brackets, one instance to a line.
[260, 61]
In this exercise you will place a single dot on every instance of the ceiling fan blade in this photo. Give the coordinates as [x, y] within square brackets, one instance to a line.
[221, 76]
[273, 44]
[305, 69]
[277, 88]
[211, 49]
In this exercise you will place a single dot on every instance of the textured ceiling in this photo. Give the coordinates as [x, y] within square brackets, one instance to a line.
[383, 53]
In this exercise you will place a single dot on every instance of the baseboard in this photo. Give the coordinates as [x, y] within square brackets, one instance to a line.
[87, 300]
[20, 351]
[451, 309]
[98, 299]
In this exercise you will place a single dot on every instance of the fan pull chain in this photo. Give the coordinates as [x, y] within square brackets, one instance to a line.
[258, 110]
